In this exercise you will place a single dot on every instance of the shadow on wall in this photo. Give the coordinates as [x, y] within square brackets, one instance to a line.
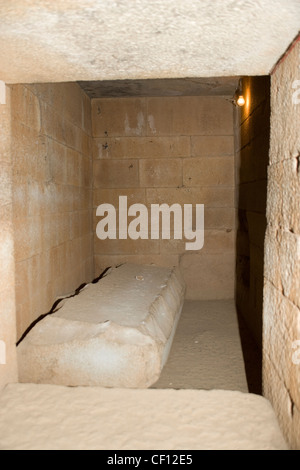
[252, 131]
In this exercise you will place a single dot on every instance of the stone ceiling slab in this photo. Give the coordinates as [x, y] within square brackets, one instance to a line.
[73, 40]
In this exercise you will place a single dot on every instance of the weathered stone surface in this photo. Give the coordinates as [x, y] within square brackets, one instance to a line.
[111, 196]
[281, 330]
[285, 138]
[115, 333]
[8, 362]
[212, 146]
[208, 171]
[210, 196]
[105, 261]
[284, 194]
[52, 182]
[95, 418]
[160, 173]
[116, 174]
[208, 275]
[142, 147]
[183, 156]
[62, 41]
[111, 117]
[191, 115]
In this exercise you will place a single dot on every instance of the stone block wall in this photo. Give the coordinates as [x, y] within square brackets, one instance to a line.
[169, 150]
[281, 312]
[52, 195]
[8, 361]
[252, 133]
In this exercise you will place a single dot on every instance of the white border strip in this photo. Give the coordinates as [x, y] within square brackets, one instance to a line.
[2, 93]
[2, 352]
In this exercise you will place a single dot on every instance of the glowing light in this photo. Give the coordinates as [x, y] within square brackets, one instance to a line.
[240, 101]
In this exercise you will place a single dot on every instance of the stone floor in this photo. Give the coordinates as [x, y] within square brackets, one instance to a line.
[212, 349]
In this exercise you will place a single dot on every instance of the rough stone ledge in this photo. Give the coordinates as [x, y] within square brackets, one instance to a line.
[41, 417]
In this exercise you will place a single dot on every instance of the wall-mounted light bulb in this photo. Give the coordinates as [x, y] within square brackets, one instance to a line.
[238, 98]
[240, 101]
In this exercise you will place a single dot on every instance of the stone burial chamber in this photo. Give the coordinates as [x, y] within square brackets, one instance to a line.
[116, 332]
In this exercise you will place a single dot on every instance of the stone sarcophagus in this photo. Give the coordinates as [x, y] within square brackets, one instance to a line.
[115, 333]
